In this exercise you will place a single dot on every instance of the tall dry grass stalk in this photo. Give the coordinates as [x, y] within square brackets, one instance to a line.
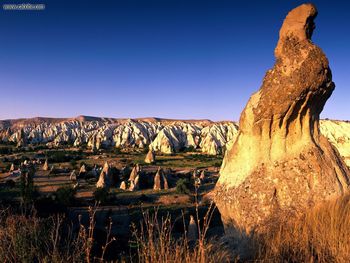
[154, 242]
[28, 238]
[322, 235]
[31, 239]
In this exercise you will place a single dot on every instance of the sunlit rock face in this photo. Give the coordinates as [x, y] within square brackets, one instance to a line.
[173, 138]
[215, 137]
[208, 137]
[167, 136]
[280, 161]
[338, 133]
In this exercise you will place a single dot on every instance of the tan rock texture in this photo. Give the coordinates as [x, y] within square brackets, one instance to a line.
[280, 161]
[209, 137]
[73, 176]
[12, 168]
[134, 172]
[150, 157]
[82, 169]
[102, 180]
[46, 165]
[122, 185]
[134, 185]
[160, 180]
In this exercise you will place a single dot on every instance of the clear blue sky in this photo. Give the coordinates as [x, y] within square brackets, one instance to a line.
[167, 58]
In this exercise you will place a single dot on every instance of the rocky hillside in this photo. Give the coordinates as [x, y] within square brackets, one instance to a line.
[167, 136]
[338, 133]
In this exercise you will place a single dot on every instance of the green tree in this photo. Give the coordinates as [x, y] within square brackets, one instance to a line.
[27, 185]
[101, 195]
[65, 195]
[183, 186]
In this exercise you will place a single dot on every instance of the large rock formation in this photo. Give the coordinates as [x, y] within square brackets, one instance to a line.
[280, 161]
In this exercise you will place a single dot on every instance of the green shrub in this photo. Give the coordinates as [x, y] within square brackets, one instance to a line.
[73, 163]
[101, 195]
[189, 149]
[117, 150]
[183, 186]
[217, 164]
[27, 189]
[65, 195]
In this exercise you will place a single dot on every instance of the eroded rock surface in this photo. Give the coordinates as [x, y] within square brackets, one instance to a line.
[160, 180]
[166, 136]
[209, 137]
[150, 157]
[280, 161]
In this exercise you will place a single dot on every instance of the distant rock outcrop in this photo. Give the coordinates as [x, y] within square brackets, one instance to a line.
[46, 165]
[102, 180]
[280, 161]
[134, 178]
[215, 137]
[122, 185]
[166, 136]
[160, 180]
[73, 176]
[134, 172]
[338, 133]
[82, 170]
[150, 157]
[134, 185]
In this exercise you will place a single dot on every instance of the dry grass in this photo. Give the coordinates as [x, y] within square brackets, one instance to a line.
[32, 239]
[155, 242]
[322, 235]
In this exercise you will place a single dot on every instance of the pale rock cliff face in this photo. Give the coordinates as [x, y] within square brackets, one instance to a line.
[280, 162]
[173, 138]
[215, 137]
[210, 138]
[338, 133]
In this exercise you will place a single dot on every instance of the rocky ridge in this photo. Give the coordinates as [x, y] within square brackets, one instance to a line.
[166, 136]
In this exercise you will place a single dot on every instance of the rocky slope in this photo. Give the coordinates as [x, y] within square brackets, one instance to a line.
[338, 133]
[167, 136]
